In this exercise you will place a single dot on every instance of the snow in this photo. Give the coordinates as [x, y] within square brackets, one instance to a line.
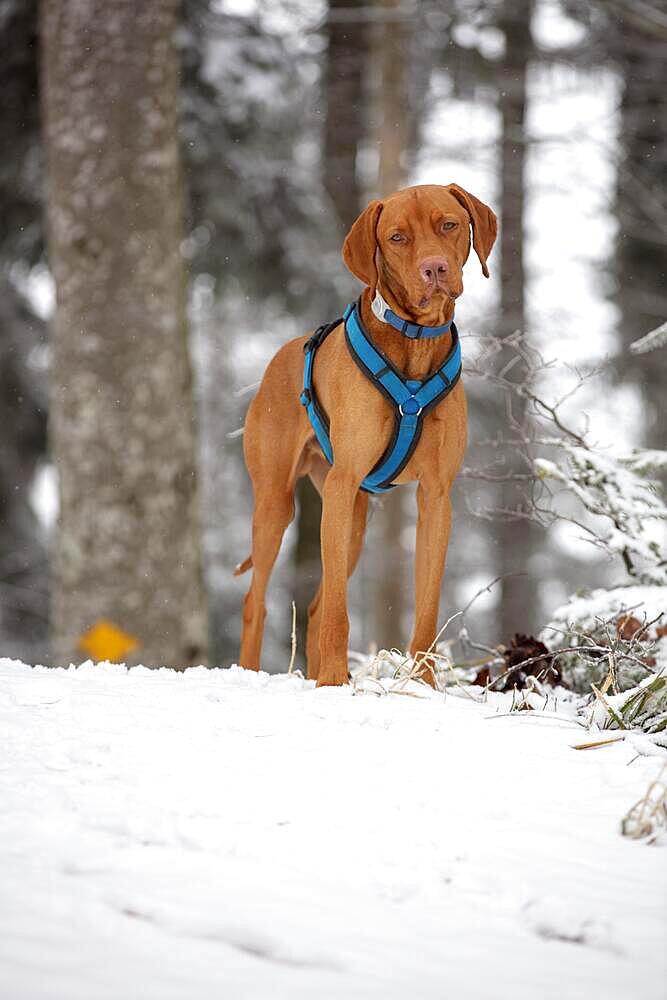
[225, 833]
[589, 609]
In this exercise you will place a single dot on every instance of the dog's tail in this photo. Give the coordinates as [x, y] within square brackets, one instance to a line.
[243, 567]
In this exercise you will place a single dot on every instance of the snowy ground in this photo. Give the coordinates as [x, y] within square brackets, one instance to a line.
[225, 834]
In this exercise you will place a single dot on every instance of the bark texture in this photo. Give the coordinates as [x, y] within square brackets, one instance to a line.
[122, 419]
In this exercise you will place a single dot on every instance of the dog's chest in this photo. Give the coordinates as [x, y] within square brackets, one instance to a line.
[418, 360]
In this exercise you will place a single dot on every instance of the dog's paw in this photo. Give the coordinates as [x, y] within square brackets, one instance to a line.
[332, 678]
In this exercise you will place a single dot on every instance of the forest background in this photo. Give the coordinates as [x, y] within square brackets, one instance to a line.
[193, 170]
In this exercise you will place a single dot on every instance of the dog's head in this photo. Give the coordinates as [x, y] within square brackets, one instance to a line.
[412, 246]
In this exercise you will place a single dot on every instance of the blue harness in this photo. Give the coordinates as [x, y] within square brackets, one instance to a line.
[411, 399]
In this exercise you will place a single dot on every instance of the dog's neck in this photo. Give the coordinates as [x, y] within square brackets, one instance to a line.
[414, 358]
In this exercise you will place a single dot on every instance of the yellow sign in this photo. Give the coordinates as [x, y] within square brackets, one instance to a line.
[105, 641]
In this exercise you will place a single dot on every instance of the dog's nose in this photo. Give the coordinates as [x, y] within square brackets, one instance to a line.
[433, 270]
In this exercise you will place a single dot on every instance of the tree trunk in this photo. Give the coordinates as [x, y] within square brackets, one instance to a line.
[393, 125]
[23, 573]
[641, 248]
[23, 556]
[343, 131]
[344, 127]
[516, 538]
[122, 419]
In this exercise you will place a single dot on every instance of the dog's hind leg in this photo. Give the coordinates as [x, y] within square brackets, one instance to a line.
[273, 512]
[273, 441]
[314, 611]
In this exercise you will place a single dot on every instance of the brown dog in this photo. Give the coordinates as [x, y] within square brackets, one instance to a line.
[411, 247]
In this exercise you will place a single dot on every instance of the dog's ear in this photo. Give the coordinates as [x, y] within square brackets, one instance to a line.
[483, 221]
[361, 243]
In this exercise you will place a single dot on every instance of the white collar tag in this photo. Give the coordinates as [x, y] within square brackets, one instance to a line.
[379, 307]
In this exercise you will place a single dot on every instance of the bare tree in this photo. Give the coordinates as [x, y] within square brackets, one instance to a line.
[122, 422]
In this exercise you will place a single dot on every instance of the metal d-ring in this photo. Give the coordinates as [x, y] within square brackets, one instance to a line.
[403, 414]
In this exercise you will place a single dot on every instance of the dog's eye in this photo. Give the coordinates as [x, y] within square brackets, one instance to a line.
[448, 225]
[397, 238]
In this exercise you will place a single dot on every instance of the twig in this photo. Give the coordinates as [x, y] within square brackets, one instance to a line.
[483, 590]
[540, 714]
[421, 657]
[291, 661]
[598, 743]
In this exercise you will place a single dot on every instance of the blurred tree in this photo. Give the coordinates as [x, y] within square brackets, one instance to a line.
[632, 38]
[23, 577]
[391, 40]
[253, 200]
[516, 538]
[639, 45]
[345, 123]
[122, 427]
[263, 237]
[344, 129]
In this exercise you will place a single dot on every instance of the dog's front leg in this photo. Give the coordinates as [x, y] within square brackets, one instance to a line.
[433, 526]
[338, 502]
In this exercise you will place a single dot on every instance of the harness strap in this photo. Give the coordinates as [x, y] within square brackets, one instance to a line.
[316, 415]
[411, 399]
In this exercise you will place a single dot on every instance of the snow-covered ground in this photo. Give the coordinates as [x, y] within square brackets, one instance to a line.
[224, 834]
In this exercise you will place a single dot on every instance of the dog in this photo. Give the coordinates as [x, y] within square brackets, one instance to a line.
[408, 250]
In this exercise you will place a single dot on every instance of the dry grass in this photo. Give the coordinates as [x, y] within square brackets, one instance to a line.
[643, 709]
[647, 819]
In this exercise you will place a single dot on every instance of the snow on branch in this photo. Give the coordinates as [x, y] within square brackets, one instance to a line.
[621, 506]
[625, 504]
[651, 341]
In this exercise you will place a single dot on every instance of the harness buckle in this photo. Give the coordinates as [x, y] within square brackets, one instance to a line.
[314, 341]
